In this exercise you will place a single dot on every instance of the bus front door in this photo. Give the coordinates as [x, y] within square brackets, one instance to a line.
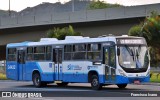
[57, 59]
[110, 63]
[21, 64]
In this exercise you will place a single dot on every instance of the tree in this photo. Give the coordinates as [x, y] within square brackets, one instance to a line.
[135, 30]
[61, 33]
[97, 4]
[150, 30]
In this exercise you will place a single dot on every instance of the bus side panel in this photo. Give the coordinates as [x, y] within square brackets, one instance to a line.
[12, 70]
[80, 77]
[30, 66]
[47, 71]
[77, 71]
[44, 68]
[21, 71]
[75, 77]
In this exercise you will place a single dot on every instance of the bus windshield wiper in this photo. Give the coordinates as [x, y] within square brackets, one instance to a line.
[130, 51]
[138, 52]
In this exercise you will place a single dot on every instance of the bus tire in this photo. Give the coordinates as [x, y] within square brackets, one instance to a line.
[122, 86]
[62, 84]
[37, 80]
[95, 83]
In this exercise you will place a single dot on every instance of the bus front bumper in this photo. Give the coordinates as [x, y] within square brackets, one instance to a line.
[129, 80]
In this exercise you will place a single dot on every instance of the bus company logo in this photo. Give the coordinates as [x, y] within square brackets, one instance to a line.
[11, 66]
[50, 65]
[74, 67]
[92, 67]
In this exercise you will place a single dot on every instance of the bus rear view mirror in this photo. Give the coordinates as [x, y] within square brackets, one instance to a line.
[118, 51]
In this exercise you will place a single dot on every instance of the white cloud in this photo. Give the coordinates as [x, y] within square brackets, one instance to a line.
[22, 4]
[133, 2]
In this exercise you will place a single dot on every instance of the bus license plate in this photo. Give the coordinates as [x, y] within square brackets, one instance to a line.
[136, 82]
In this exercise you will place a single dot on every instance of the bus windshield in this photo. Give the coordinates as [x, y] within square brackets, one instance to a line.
[133, 56]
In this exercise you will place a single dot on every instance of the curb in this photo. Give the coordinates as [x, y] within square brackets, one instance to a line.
[156, 84]
[7, 81]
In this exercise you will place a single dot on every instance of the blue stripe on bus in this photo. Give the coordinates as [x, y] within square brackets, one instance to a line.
[70, 76]
[40, 70]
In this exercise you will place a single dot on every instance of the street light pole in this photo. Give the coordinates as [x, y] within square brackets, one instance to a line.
[9, 9]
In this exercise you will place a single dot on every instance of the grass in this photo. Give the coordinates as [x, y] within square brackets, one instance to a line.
[2, 76]
[155, 77]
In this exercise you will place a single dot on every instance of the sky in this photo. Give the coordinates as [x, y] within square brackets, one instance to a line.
[19, 5]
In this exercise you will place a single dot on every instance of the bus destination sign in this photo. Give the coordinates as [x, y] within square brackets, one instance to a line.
[130, 41]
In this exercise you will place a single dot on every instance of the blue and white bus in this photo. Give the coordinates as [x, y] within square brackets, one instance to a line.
[118, 60]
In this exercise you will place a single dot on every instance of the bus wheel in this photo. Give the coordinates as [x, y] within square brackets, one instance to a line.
[122, 86]
[62, 84]
[37, 80]
[95, 83]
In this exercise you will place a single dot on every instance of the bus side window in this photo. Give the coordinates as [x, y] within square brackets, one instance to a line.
[11, 54]
[79, 52]
[112, 56]
[30, 53]
[48, 52]
[68, 49]
[54, 56]
[106, 57]
[39, 53]
[93, 51]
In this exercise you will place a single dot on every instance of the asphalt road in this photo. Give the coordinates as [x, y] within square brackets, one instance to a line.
[81, 91]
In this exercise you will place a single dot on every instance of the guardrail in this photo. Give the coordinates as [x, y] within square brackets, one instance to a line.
[155, 69]
[49, 17]
[2, 67]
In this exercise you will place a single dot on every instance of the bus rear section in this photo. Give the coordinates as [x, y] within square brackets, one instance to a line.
[15, 63]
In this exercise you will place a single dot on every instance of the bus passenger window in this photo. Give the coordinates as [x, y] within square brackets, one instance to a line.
[29, 57]
[30, 53]
[112, 55]
[79, 52]
[68, 52]
[106, 57]
[67, 56]
[48, 52]
[94, 51]
[11, 54]
[39, 53]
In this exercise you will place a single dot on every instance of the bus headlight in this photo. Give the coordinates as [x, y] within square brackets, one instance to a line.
[121, 72]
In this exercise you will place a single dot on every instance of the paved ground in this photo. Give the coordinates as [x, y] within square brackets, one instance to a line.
[81, 91]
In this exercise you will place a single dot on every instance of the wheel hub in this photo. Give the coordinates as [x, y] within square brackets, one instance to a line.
[95, 82]
[37, 80]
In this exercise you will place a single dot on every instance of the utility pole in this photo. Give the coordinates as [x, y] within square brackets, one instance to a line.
[72, 5]
[9, 8]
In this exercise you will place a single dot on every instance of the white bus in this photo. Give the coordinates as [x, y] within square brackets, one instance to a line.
[118, 60]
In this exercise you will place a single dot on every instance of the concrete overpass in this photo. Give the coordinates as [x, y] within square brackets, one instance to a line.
[91, 23]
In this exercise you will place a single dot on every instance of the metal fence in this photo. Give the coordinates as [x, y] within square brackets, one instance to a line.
[3, 66]
[155, 69]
